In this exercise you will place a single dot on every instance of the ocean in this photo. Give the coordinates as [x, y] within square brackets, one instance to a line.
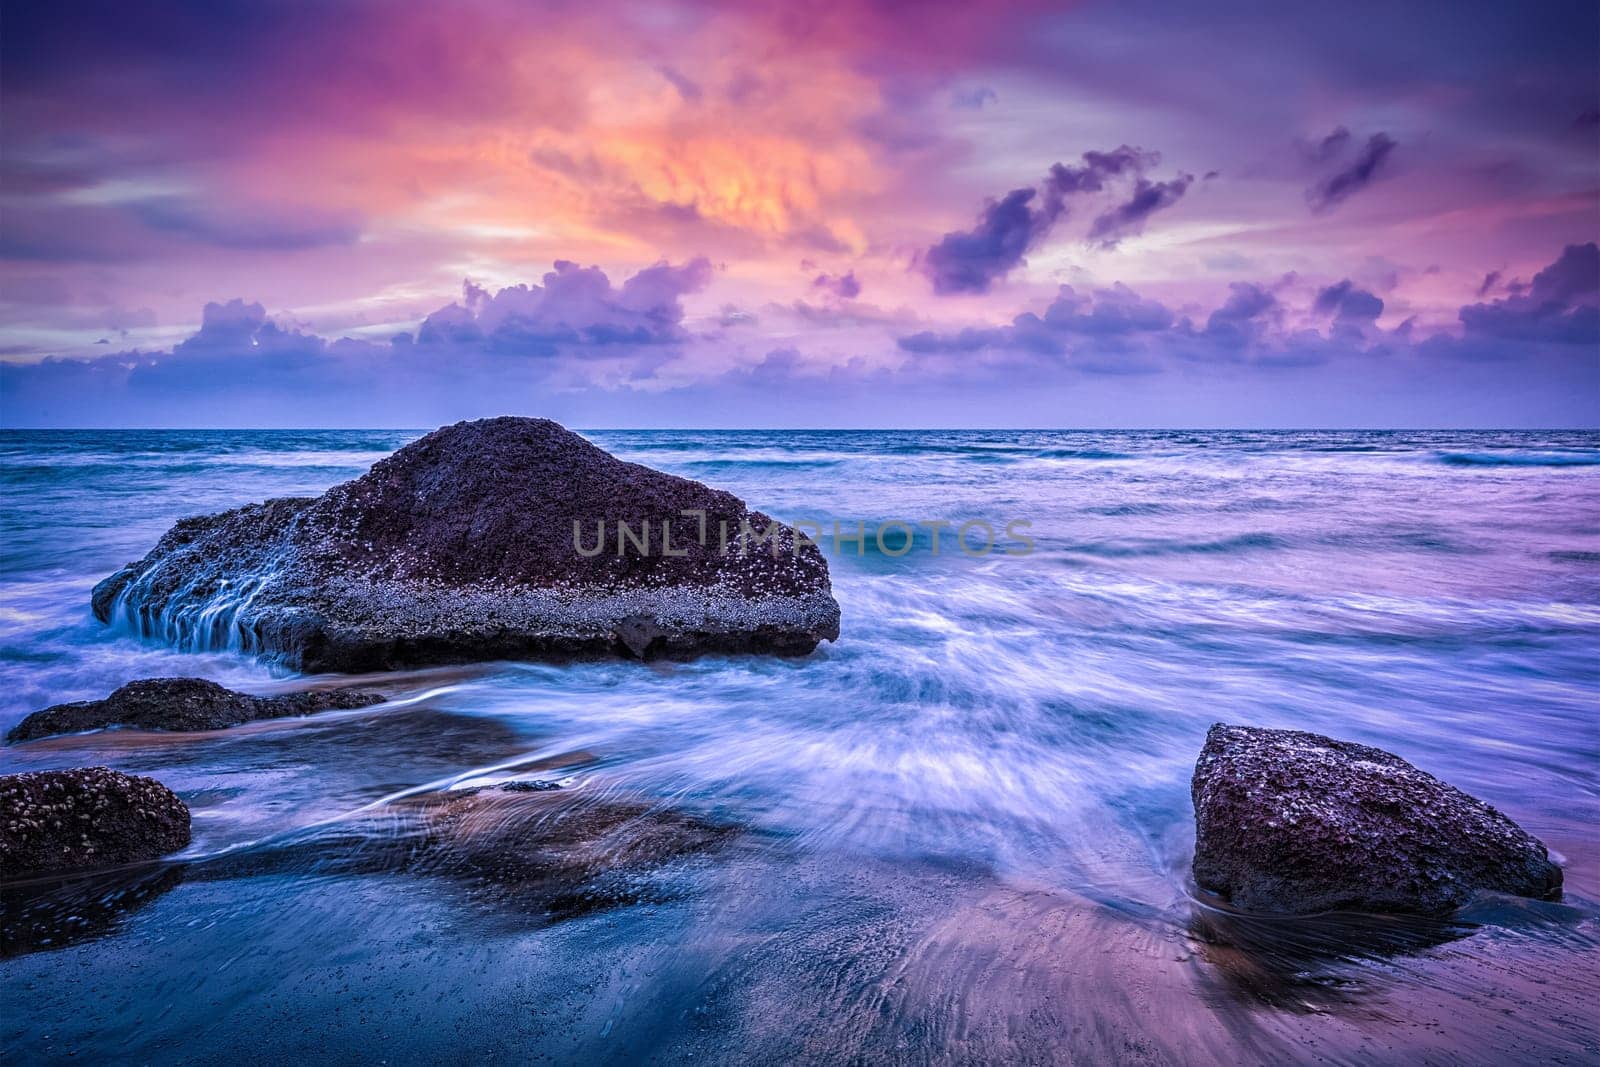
[964, 828]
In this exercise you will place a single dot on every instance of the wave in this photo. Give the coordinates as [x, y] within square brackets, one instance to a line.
[712, 465]
[1082, 453]
[1250, 542]
[1520, 459]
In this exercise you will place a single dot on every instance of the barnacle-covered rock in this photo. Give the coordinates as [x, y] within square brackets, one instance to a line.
[86, 817]
[1294, 822]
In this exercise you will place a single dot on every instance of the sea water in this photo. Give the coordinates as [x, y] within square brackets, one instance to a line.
[965, 826]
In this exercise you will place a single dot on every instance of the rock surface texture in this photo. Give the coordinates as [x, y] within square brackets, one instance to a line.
[182, 704]
[89, 817]
[1294, 822]
[461, 546]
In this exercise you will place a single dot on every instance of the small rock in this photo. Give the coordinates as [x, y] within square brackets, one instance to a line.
[1294, 822]
[182, 704]
[129, 819]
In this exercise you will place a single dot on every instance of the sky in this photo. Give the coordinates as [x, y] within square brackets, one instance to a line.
[763, 213]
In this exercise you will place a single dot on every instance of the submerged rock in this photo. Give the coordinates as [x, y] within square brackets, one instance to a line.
[476, 542]
[550, 851]
[88, 817]
[182, 704]
[558, 851]
[1295, 822]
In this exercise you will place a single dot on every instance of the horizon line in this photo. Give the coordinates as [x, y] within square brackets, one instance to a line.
[815, 429]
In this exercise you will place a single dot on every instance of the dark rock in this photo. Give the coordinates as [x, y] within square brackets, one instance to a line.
[460, 547]
[88, 817]
[182, 704]
[1293, 822]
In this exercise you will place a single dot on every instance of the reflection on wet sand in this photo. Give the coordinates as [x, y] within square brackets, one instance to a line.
[54, 912]
[1306, 963]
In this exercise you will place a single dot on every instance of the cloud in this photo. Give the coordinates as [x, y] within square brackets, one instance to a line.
[254, 228]
[1118, 331]
[1562, 305]
[776, 368]
[1118, 310]
[1328, 148]
[1128, 219]
[844, 286]
[1350, 178]
[1246, 301]
[971, 339]
[1348, 305]
[1108, 318]
[613, 353]
[1115, 330]
[1242, 318]
[687, 88]
[973, 99]
[72, 233]
[971, 261]
[1097, 169]
[575, 306]
[47, 229]
[237, 327]
[588, 333]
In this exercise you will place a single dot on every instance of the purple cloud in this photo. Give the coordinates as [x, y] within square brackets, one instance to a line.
[1354, 176]
[1348, 305]
[252, 228]
[1117, 331]
[973, 260]
[1110, 317]
[687, 88]
[971, 339]
[574, 306]
[1562, 304]
[970, 262]
[1128, 219]
[844, 286]
[1246, 301]
[1329, 148]
[241, 364]
[1105, 331]
[973, 99]
[1118, 310]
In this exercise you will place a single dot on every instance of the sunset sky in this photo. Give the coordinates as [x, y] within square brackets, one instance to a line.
[800, 214]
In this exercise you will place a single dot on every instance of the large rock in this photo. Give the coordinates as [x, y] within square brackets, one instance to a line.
[461, 547]
[1295, 822]
[182, 704]
[89, 817]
